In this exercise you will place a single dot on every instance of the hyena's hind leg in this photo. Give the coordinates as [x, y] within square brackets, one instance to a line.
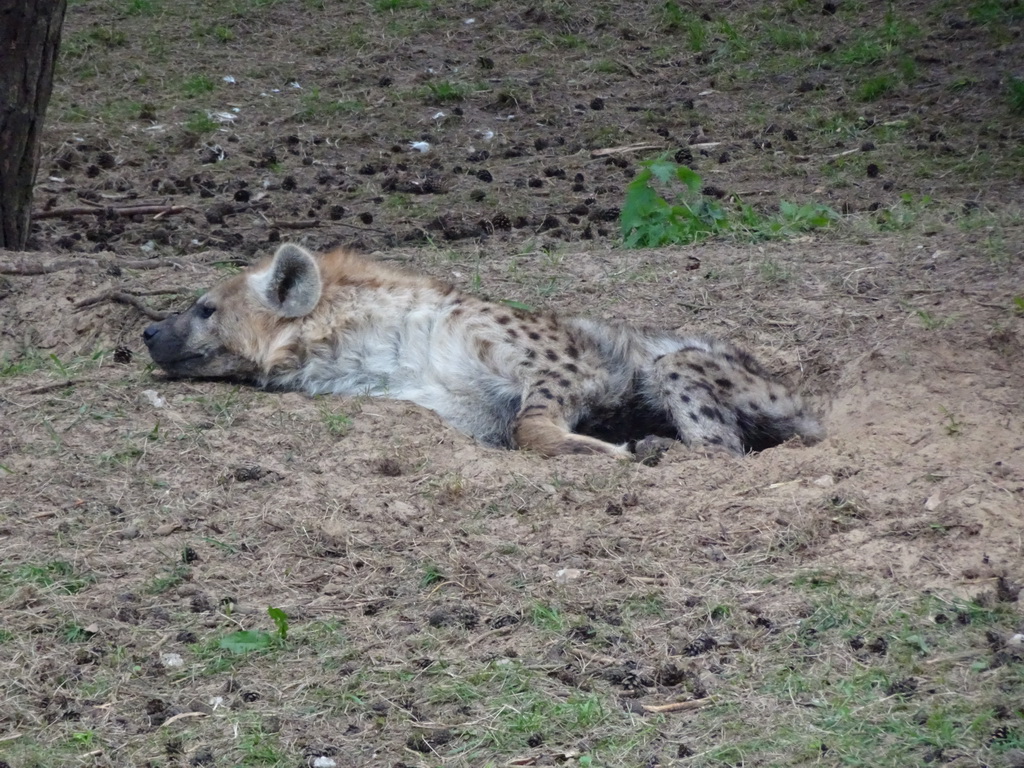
[542, 426]
[720, 397]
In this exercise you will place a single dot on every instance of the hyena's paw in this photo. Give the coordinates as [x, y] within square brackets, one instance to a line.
[650, 450]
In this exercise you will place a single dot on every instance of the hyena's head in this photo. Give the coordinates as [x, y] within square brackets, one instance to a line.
[239, 328]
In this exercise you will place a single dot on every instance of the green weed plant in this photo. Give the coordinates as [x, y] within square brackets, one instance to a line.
[649, 220]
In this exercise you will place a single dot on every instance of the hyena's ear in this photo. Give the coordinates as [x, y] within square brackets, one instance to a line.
[291, 286]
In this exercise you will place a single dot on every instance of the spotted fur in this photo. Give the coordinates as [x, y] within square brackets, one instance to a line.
[340, 324]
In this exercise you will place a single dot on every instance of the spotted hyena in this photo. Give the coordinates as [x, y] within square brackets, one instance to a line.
[344, 325]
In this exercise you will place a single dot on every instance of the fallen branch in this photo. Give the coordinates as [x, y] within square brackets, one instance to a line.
[115, 210]
[120, 297]
[606, 151]
[678, 706]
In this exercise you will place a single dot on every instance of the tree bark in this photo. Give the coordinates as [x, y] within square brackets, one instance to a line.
[29, 43]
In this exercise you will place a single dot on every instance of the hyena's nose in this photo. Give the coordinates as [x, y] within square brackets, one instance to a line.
[150, 333]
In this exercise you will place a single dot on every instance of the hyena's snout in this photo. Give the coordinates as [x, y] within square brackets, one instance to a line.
[183, 346]
[163, 340]
[159, 340]
[149, 336]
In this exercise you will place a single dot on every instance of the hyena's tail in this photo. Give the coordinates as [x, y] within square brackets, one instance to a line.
[776, 422]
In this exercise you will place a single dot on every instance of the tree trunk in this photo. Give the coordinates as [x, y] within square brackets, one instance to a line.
[29, 42]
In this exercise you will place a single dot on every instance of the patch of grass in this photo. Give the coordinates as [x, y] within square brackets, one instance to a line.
[447, 488]
[995, 12]
[390, 6]
[168, 581]
[791, 38]
[338, 424]
[120, 111]
[908, 69]
[260, 747]
[1015, 94]
[107, 37]
[73, 633]
[224, 407]
[897, 31]
[432, 575]
[953, 426]
[57, 575]
[200, 122]
[904, 214]
[445, 91]
[547, 617]
[930, 322]
[29, 361]
[673, 18]
[142, 7]
[864, 51]
[876, 87]
[569, 40]
[773, 273]
[316, 106]
[197, 85]
[218, 32]
[606, 67]
[862, 668]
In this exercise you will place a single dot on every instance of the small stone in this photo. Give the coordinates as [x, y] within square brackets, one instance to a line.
[565, 575]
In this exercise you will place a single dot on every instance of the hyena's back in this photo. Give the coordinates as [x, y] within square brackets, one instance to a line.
[345, 325]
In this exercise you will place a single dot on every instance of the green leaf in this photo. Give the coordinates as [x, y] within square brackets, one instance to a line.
[245, 641]
[689, 178]
[281, 620]
[662, 168]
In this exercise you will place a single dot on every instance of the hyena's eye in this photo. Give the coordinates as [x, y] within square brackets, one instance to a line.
[205, 311]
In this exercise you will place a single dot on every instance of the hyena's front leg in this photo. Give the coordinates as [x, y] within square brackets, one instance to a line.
[541, 426]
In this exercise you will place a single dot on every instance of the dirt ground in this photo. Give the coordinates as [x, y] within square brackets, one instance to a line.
[855, 602]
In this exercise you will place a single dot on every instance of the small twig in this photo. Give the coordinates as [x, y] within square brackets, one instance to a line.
[51, 387]
[628, 67]
[159, 211]
[596, 657]
[606, 151]
[679, 706]
[293, 224]
[961, 656]
[123, 298]
[361, 229]
[182, 716]
[507, 630]
[843, 154]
